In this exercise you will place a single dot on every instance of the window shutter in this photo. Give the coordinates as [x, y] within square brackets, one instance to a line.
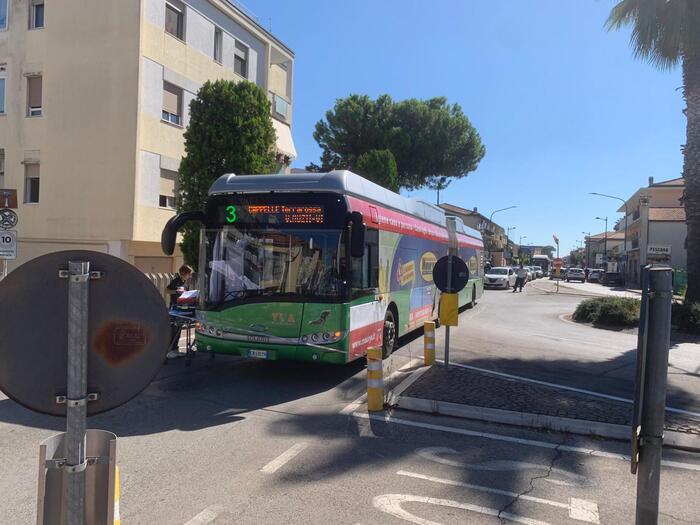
[34, 91]
[171, 99]
[31, 170]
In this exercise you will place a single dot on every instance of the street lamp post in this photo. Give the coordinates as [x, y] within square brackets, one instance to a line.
[588, 243]
[520, 247]
[605, 241]
[624, 274]
[507, 237]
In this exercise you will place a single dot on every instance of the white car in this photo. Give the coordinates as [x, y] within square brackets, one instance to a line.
[530, 273]
[500, 277]
[538, 272]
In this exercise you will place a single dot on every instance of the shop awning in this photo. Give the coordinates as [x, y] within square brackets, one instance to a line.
[284, 144]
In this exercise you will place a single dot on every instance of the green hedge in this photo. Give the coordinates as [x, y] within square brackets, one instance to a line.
[608, 311]
[686, 317]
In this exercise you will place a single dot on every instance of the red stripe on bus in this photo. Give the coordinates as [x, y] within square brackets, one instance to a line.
[364, 337]
[393, 221]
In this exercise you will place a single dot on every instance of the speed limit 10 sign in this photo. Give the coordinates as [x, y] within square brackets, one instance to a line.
[8, 244]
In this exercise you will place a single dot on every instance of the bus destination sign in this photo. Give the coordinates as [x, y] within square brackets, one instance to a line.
[275, 214]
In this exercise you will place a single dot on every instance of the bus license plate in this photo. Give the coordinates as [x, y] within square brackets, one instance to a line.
[259, 354]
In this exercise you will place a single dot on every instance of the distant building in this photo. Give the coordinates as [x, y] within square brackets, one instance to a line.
[94, 101]
[656, 228]
[594, 251]
[496, 244]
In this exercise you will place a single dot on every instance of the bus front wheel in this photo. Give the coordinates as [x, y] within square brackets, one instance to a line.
[472, 303]
[389, 340]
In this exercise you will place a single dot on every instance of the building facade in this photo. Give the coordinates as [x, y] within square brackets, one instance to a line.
[602, 250]
[94, 101]
[656, 228]
[497, 247]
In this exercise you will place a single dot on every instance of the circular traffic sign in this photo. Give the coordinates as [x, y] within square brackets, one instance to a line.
[128, 332]
[557, 263]
[460, 274]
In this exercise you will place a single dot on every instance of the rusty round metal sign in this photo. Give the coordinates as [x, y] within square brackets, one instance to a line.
[128, 337]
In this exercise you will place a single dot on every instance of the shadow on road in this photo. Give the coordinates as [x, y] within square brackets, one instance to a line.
[209, 393]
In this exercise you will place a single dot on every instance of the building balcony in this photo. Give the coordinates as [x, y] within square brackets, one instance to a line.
[635, 244]
[281, 107]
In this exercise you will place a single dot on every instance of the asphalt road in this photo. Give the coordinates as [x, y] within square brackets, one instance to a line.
[238, 441]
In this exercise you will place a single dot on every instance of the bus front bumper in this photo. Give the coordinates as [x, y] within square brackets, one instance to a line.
[313, 354]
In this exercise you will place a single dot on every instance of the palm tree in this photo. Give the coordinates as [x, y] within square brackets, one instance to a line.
[667, 32]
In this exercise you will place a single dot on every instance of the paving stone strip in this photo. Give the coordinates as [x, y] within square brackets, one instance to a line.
[469, 387]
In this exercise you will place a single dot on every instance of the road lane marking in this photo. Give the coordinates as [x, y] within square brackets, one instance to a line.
[391, 504]
[206, 516]
[350, 408]
[434, 454]
[564, 387]
[580, 510]
[510, 439]
[277, 463]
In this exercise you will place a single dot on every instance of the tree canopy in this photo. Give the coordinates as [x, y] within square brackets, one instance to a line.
[431, 141]
[379, 166]
[230, 131]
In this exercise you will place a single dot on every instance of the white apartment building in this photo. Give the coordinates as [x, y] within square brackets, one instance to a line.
[94, 100]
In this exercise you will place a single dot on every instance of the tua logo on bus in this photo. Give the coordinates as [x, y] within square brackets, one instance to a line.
[282, 318]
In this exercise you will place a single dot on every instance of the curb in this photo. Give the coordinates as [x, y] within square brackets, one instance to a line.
[672, 439]
[575, 294]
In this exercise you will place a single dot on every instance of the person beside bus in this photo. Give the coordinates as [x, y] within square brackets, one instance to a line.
[179, 284]
[520, 278]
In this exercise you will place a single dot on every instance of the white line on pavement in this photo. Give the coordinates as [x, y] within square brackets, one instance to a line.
[350, 408]
[391, 504]
[206, 516]
[564, 387]
[511, 439]
[574, 508]
[284, 458]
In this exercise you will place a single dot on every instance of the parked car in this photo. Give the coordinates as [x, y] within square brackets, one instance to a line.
[500, 277]
[612, 279]
[575, 274]
[530, 273]
[595, 275]
[538, 272]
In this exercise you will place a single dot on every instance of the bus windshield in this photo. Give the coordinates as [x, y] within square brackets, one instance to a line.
[272, 263]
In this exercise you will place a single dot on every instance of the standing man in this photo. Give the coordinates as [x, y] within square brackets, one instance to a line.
[521, 277]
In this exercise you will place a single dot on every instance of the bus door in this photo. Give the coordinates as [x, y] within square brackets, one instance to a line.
[366, 305]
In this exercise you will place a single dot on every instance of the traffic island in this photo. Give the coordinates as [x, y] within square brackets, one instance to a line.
[465, 392]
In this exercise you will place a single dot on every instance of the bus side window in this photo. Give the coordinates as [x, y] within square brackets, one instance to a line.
[365, 270]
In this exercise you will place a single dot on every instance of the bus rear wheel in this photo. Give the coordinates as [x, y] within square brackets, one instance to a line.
[472, 303]
[389, 339]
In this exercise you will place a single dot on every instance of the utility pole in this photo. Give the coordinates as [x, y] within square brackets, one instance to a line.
[605, 241]
[587, 240]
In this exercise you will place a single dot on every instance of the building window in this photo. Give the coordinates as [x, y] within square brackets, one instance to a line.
[33, 96]
[240, 61]
[36, 14]
[3, 14]
[172, 103]
[3, 70]
[218, 44]
[168, 188]
[175, 19]
[167, 201]
[31, 183]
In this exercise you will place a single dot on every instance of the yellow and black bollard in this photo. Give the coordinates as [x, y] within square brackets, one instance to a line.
[429, 343]
[375, 380]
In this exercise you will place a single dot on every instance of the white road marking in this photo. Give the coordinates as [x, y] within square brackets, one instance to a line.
[350, 408]
[521, 441]
[434, 454]
[580, 510]
[206, 516]
[391, 504]
[564, 387]
[277, 463]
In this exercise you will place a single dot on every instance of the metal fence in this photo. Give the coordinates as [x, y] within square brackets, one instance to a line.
[680, 281]
[160, 281]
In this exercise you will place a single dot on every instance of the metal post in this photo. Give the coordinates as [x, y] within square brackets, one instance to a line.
[76, 404]
[447, 328]
[4, 269]
[654, 399]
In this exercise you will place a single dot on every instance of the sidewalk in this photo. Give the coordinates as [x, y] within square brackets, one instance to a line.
[460, 391]
[583, 289]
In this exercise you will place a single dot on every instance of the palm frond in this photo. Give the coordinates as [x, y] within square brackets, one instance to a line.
[658, 28]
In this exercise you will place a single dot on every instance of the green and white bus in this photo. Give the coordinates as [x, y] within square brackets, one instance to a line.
[318, 267]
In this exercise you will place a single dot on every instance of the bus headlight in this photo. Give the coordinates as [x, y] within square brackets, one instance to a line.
[323, 338]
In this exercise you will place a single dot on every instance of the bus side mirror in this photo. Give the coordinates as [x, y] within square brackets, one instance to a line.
[357, 238]
[169, 235]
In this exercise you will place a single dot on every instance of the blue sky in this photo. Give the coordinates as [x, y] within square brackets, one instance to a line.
[562, 106]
